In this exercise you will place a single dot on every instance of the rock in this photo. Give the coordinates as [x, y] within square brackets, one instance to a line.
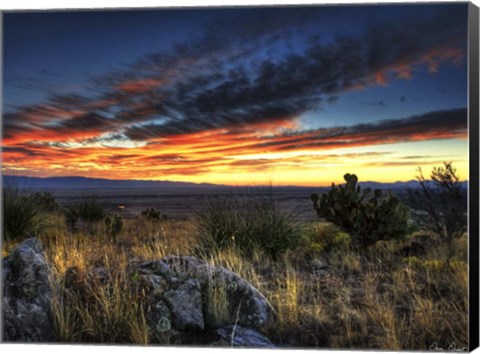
[186, 286]
[159, 319]
[26, 295]
[245, 303]
[242, 337]
[220, 343]
[185, 303]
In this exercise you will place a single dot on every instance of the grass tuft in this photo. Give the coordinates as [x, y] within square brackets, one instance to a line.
[23, 214]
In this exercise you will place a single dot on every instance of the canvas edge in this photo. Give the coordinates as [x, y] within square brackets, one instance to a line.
[473, 232]
[1, 161]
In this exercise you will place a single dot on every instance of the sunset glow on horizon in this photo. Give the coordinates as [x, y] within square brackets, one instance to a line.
[296, 96]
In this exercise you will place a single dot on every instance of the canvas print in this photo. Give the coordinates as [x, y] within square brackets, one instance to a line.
[264, 177]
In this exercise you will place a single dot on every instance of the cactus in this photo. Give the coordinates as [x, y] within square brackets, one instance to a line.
[368, 217]
[114, 225]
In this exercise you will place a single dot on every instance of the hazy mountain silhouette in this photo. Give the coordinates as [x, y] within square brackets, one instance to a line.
[77, 182]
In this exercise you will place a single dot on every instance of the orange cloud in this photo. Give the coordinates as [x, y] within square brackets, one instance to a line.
[203, 155]
[139, 85]
[404, 72]
[434, 57]
[380, 78]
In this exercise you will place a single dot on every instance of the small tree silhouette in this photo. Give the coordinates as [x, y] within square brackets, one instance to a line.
[442, 199]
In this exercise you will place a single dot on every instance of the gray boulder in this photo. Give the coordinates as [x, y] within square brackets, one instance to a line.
[190, 294]
[26, 295]
[185, 303]
[236, 336]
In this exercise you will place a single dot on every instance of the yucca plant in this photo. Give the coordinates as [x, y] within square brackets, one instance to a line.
[87, 209]
[247, 223]
[22, 214]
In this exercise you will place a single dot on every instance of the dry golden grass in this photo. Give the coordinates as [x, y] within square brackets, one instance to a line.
[111, 312]
[286, 298]
[379, 300]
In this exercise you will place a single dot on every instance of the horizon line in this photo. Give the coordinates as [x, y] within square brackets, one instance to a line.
[212, 184]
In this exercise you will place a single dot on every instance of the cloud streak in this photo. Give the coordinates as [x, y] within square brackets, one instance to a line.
[211, 151]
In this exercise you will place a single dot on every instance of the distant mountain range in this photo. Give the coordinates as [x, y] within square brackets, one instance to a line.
[399, 185]
[76, 182]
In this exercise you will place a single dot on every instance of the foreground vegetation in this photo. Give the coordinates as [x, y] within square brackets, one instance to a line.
[340, 299]
[408, 292]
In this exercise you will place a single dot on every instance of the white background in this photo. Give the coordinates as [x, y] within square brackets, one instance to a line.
[72, 4]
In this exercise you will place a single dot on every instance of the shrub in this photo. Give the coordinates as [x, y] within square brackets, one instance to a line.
[443, 202]
[433, 266]
[114, 225]
[22, 214]
[413, 261]
[221, 223]
[89, 210]
[153, 215]
[323, 237]
[269, 227]
[71, 218]
[247, 224]
[368, 217]
[46, 201]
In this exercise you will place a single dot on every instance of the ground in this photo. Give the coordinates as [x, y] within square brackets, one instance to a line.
[395, 295]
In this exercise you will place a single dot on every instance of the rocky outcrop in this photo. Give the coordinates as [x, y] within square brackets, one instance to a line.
[190, 294]
[26, 295]
[184, 298]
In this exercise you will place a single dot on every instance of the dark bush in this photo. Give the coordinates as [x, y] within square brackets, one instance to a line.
[221, 223]
[88, 209]
[46, 201]
[22, 214]
[114, 225]
[368, 217]
[443, 201]
[71, 218]
[153, 215]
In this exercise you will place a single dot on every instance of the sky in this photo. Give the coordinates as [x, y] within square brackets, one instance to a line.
[240, 96]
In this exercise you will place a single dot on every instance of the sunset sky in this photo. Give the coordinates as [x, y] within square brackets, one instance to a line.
[293, 96]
